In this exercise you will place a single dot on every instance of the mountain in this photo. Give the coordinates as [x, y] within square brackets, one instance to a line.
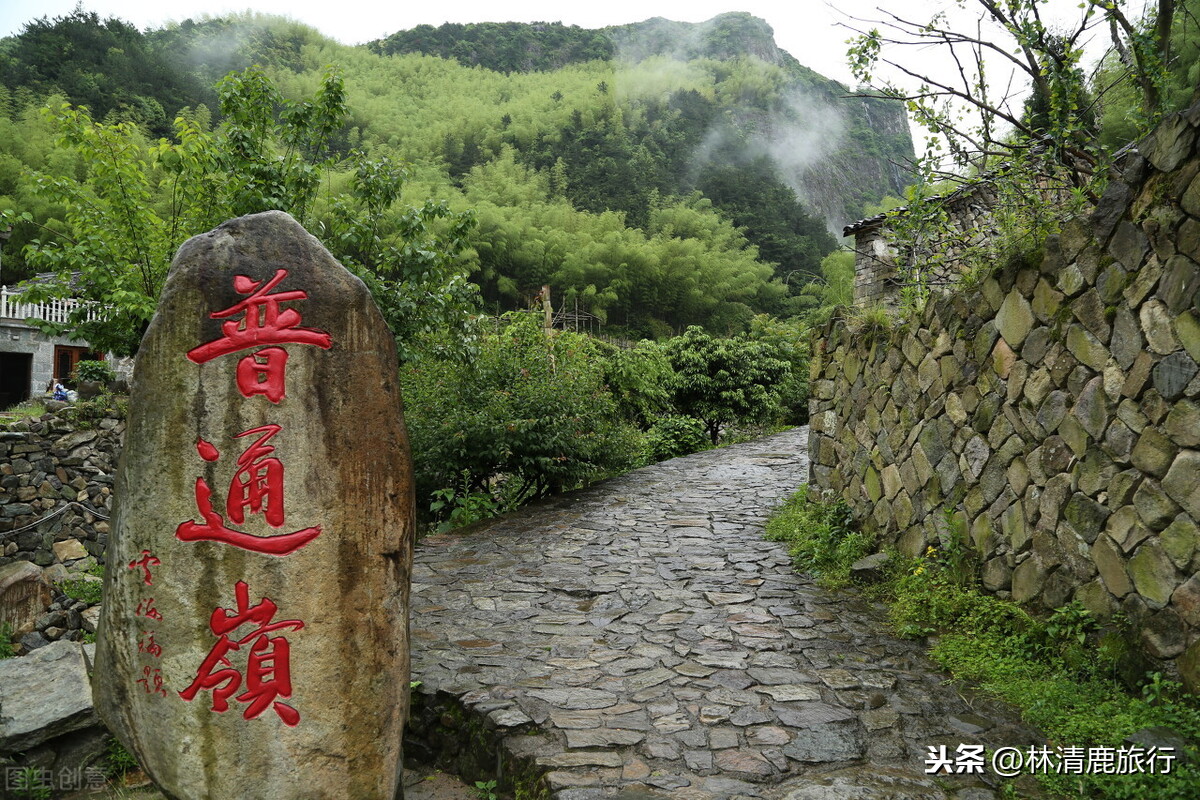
[836, 150]
[658, 174]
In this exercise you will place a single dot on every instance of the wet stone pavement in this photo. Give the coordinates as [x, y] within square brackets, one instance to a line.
[640, 639]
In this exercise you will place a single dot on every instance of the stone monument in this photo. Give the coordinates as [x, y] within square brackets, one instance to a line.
[253, 641]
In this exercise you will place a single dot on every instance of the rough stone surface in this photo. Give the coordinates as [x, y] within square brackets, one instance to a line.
[1173, 374]
[1153, 453]
[69, 550]
[43, 695]
[338, 597]
[1014, 319]
[1153, 574]
[55, 489]
[1066, 430]
[1182, 482]
[1156, 325]
[24, 594]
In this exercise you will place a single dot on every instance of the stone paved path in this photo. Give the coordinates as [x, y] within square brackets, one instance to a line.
[640, 639]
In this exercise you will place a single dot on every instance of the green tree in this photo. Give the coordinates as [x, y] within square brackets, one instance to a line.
[502, 46]
[106, 65]
[119, 241]
[411, 257]
[834, 288]
[788, 340]
[135, 203]
[526, 416]
[754, 198]
[1122, 95]
[720, 381]
[1059, 116]
[638, 379]
[116, 249]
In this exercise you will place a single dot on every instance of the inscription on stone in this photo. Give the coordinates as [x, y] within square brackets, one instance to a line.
[254, 634]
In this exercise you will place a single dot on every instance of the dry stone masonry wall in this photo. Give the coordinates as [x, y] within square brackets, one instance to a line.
[1051, 416]
[56, 482]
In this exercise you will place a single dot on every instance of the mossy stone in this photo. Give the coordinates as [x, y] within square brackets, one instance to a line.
[1086, 347]
[1183, 423]
[1182, 482]
[1180, 539]
[1153, 575]
[1015, 319]
[1187, 329]
[872, 485]
[1153, 452]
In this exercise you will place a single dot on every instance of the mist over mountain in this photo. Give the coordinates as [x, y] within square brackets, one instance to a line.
[836, 150]
[657, 174]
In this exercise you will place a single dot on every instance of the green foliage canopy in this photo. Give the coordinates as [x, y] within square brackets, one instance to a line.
[527, 415]
[128, 206]
[721, 380]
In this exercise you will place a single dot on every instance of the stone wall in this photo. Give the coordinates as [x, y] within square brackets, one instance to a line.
[1051, 416]
[56, 488]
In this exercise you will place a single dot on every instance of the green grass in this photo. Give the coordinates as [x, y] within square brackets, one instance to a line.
[1060, 671]
[23, 410]
[117, 760]
[85, 590]
[819, 537]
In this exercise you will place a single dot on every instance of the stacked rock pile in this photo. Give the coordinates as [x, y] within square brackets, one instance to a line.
[56, 485]
[56, 481]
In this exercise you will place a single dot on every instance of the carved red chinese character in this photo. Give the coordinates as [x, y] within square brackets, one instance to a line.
[261, 372]
[258, 486]
[262, 323]
[147, 645]
[145, 562]
[152, 681]
[146, 609]
[268, 665]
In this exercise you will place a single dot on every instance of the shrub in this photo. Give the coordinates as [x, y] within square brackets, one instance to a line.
[528, 416]
[87, 591]
[638, 379]
[86, 414]
[97, 371]
[671, 437]
[720, 381]
[458, 507]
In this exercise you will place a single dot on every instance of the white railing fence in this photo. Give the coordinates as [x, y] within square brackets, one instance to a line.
[11, 307]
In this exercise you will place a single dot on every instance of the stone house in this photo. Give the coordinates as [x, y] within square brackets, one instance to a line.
[30, 359]
[875, 255]
[968, 222]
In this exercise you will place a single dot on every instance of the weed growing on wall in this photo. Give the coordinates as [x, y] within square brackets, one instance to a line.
[1058, 671]
[1061, 671]
[819, 537]
[6, 645]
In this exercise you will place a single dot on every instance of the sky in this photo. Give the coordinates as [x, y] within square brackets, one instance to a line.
[805, 28]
